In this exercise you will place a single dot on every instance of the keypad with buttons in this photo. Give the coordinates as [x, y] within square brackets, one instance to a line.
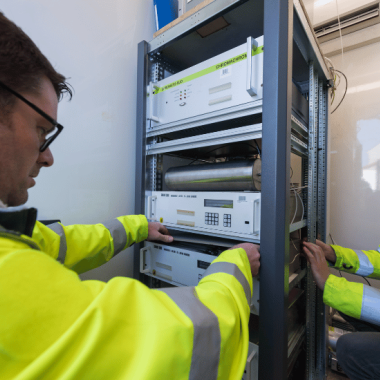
[227, 220]
[212, 218]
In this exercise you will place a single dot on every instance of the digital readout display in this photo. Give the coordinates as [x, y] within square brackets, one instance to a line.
[221, 203]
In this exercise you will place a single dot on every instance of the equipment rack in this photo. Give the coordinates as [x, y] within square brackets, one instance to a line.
[292, 57]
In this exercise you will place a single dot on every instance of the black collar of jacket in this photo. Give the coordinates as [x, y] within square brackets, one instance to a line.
[21, 221]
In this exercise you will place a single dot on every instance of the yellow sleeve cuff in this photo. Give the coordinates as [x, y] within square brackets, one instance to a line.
[343, 295]
[339, 256]
[136, 227]
[239, 257]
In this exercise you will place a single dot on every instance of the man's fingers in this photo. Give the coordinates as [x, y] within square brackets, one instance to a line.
[165, 234]
[163, 230]
[156, 231]
[165, 238]
[316, 250]
[320, 243]
[312, 247]
[308, 254]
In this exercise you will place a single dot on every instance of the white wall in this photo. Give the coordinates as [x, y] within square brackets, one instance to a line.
[321, 11]
[354, 144]
[94, 43]
[355, 150]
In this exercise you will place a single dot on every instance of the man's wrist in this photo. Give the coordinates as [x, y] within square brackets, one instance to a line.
[331, 256]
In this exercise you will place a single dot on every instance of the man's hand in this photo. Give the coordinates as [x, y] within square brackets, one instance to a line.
[327, 251]
[157, 232]
[316, 257]
[253, 253]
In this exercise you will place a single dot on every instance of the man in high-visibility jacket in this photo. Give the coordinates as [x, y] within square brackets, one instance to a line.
[357, 353]
[55, 326]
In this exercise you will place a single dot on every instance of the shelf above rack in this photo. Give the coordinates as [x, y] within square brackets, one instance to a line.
[228, 136]
[195, 21]
[235, 237]
[240, 111]
[245, 18]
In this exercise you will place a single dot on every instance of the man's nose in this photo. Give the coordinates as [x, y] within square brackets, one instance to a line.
[46, 158]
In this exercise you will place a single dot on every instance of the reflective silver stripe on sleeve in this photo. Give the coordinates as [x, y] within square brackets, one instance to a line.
[370, 305]
[58, 229]
[233, 270]
[207, 339]
[119, 236]
[365, 268]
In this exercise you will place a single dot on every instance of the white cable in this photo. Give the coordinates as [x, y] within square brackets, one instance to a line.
[299, 187]
[330, 61]
[295, 212]
[303, 208]
[296, 194]
[295, 255]
[340, 30]
[333, 75]
[298, 252]
[331, 69]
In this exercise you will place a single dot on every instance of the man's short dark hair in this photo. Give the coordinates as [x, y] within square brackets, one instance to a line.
[22, 65]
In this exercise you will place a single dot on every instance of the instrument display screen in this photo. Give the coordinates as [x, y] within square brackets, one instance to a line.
[220, 203]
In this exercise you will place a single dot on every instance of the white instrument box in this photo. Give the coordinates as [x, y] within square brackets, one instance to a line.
[225, 213]
[216, 86]
[182, 264]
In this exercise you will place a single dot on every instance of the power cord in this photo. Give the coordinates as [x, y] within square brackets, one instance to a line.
[294, 216]
[336, 82]
[298, 252]
[345, 91]
[218, 147]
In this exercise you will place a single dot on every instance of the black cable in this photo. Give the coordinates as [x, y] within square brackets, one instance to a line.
[345, 91]
[367, 281]
[257, 147]
[241, 142]
[206, 153]
[246, 143]
[184, 157]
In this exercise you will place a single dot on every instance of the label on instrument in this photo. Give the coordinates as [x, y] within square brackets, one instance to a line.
[185, 223]
[226, 72]
[185, 212]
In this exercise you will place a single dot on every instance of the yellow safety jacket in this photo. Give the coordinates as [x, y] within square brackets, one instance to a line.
[55, 326]
[354, 299]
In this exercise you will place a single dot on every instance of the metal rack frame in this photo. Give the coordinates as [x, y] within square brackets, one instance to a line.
[285, 24]
[275, 190]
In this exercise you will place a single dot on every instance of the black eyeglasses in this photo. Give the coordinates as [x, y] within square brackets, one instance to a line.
[53, 133]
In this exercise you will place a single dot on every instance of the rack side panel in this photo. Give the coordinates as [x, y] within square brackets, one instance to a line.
[142, 79]
[274, 272]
